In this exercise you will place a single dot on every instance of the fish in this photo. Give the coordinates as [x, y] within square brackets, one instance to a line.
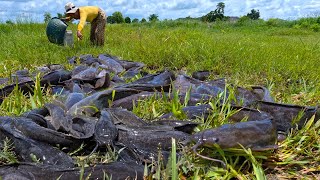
[122, 116]
[105, 130]
[130, 101]
[27, 148]
[285, 114]
[179, 125]
[201, 75]
[114, 170]
[257, 135]
[99, 100]
[147, 142]
[110, 64]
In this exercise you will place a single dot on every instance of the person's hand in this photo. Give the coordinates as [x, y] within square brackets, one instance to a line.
[79, 35]
[67, 19]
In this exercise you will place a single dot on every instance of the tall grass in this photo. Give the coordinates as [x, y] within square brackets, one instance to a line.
[281, 55]
[18, 102]
[244, 54]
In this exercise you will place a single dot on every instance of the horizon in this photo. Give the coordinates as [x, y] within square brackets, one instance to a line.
[34, 10]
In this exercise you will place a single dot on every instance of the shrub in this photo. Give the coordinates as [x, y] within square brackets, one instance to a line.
[315, 27]
[243, 20]
[276, 22]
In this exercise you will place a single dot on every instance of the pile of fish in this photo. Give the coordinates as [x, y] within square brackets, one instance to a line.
[93, 108]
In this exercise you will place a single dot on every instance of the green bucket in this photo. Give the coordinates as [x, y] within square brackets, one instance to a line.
[56, 29]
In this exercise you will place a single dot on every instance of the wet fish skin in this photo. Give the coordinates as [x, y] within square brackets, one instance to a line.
[184, 83]
[99, 101]
[147, 141]
[213, 91]
[250, 134]
[262, 93]
[86, 75]
[117, 79]
[58, 117]
[37, 118]
[159, 82]
[179, 125]
[162, 78]
[25, 146]
[284, 114]
[76, 70]
[55, 67]
[127, 102]
[42, 111]
[105, 130]
[22, 73]
[55, 77]
[34, 131]
[130, 64]
[83, 127]
[201, 75]
[25, 87]
[116, 170]
[103, 80]
[110, 63]
[122, 116]
[73, 98]
[249, 113]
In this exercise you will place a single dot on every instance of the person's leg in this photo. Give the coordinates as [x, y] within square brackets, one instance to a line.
[100, 29]
[93, 31]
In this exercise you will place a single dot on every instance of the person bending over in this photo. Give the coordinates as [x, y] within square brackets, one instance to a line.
[93, 14]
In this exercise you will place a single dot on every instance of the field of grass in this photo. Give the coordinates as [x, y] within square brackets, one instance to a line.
[281, 58]
[284, 59]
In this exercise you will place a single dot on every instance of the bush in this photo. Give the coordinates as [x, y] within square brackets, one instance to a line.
[243, 20]
[312, 23]
[275, 22]
[315, 27]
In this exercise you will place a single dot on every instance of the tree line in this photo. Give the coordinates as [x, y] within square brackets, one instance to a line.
[212, 16]
[218, 14]
[116, 17]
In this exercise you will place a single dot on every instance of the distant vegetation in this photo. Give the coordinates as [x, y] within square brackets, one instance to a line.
[282, 55]
[216, 16]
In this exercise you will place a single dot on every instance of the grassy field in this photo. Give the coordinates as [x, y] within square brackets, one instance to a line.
[284, 59]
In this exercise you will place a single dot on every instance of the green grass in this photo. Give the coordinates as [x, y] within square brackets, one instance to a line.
[287, 57]
[283, 56]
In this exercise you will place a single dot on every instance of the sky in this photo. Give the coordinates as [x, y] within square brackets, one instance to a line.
[165, 9]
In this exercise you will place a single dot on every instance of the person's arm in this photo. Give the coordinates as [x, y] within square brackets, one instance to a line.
[67, 18]
[83, 18]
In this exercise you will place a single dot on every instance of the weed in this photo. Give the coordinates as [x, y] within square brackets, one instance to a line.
[7, 155]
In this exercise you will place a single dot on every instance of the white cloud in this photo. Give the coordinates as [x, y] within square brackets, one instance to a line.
[165, 9]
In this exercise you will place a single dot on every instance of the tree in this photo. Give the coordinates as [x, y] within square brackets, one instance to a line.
[143, 20]
[47, 16]
[127, 20]
[9, 22]
[218, 13]
[254, 14]
[59, 15]
[153, 18]
[110, 20]
[135, 20]
[220, 8]
[117, 17]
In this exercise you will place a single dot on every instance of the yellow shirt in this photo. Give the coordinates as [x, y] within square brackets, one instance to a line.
[87, 13]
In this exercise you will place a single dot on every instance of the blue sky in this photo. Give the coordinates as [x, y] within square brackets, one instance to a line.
[165, 9]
